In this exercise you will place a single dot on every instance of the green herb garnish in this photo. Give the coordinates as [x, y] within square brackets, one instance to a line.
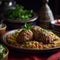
[43, 30]
[26, 27]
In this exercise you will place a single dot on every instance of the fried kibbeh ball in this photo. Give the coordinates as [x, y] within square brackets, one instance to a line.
[45, 38]
[25, 35]
[36, 31]
[42, 35]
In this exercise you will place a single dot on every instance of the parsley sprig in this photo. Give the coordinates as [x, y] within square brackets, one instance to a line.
[26, 26]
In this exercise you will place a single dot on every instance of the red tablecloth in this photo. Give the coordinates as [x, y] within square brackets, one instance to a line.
[28, 58]
[53, 56]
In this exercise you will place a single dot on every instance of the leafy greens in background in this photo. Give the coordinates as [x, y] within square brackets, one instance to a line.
[19, 13]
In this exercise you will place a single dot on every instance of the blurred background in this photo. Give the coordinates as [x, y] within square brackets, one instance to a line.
[36, 5]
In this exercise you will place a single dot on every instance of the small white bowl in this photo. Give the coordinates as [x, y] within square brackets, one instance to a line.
[2, 30]
[56, 25]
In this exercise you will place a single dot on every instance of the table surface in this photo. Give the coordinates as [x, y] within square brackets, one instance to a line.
[40, 56]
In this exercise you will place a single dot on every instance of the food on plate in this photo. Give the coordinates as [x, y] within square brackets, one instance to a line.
[33, 37]
[57, 43]
[57, 22]
[25, 35]
[43, 35]
[32, 44]
[36, 30]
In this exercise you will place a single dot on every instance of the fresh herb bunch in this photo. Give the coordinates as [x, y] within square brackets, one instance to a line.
[26, 26]
[2, 51]
[19, 13]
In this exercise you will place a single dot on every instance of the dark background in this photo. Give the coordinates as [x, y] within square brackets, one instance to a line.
[36, 4]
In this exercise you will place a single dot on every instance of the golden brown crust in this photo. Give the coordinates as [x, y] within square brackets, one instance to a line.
[25, 35]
